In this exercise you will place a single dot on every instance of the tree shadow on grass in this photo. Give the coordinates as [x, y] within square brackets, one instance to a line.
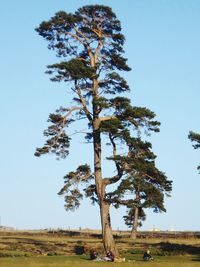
[178, 249]
[196, 258]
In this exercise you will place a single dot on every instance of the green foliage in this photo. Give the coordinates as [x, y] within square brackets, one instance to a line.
[113, 83]
[91, 40]
[58, 141]
[74, 69]
[195, 137]
[86, 27]
[143, 185]
[128, 219]
[72, 186]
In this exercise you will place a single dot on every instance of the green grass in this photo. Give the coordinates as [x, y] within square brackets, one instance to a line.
[79, 261]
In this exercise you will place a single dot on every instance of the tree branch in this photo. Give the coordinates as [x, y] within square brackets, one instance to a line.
[120, 201]
[76, 37]
[63, 123]
[87, 113]
[117, 177]
[82, 34]
[107, 118]
[100, 45]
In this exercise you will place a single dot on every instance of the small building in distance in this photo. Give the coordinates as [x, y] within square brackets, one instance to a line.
[155, 229]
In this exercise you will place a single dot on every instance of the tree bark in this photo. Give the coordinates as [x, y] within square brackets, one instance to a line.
[135, 224]
[107, 235]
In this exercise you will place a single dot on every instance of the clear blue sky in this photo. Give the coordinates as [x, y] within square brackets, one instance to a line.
[163, 49]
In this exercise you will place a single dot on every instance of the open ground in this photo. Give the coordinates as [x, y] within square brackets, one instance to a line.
[67, 248]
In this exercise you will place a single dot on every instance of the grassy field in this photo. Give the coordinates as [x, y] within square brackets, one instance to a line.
[77, 261]
[56, 249]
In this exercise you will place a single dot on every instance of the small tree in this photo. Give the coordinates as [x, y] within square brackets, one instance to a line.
[143, 185]
[91, 44]
[195, 137]
[134, 218]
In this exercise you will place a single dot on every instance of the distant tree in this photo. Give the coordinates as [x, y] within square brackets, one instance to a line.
[90, 46]
[134, 218]
[143, 185]
[195, 137]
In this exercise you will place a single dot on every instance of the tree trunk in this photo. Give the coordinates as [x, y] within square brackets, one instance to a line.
[107, 235]
[135, 224]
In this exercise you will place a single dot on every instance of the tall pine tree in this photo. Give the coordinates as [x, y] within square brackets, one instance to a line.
[89, 44]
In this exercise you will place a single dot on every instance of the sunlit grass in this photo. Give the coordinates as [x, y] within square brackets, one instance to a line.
[76, 261]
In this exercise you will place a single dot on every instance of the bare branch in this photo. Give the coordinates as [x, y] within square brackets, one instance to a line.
[107, 118]
[112, 180]
[100, 44]
[76, 37]
[82, 34]
[78, 132]
[70, 111]
[87, 113]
